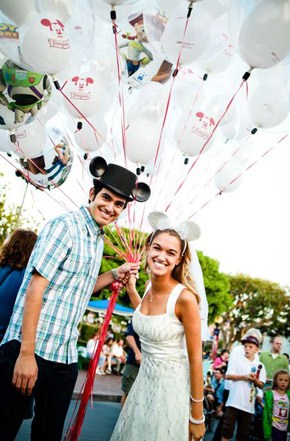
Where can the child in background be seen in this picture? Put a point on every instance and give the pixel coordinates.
(246, 374)
(276, 409)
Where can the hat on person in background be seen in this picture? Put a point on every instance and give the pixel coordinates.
(253, 332)
(250, 339)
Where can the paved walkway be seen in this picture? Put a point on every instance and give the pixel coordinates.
(106, 387)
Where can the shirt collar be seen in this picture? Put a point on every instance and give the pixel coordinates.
(92, 226)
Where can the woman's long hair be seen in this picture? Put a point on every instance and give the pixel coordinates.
(16, 250)
(181, 272)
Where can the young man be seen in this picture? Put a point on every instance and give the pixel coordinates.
(246, 374)
(38, 355)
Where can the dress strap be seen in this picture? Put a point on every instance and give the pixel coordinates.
(172, 299)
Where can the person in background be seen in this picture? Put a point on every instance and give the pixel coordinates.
(91, 347)
(221, 360)
(14, 255)
(133, 361)
(237, 352)
(273, 360)
(38, 354)
(276, 422)
(216, 391)
(246, 374)
(118, 355)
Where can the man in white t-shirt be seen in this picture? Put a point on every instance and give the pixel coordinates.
(246, 374)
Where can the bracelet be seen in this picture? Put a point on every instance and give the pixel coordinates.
(194, 421)
(196, 401)
(114, 274)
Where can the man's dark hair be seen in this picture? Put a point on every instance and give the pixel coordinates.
(98, 186)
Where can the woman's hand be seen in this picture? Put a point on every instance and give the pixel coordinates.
(196, 431)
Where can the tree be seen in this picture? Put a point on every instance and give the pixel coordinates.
(216, 285)
(10, 215)
(258, 303)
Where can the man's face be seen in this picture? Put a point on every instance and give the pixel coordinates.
(277, 345)
(218, 375)
(106, 206)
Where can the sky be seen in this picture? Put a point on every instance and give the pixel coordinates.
(246, 230)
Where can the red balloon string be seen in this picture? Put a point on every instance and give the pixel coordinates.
(240, 174)
(205, 144)
(76, 426)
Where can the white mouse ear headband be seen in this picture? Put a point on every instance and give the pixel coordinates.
(186, 230)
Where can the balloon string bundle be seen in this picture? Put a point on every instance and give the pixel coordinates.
(75, 427)
(240, 174)
(207, 141)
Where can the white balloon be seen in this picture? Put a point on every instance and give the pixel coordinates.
(63, 9)
(264, 38)
(229, 177)
(91, 137)
(86, 93)
(120, 2)
(268, 105)
(45, 44)
(17, 12)
(193, 43)
(30, 140)
(142, 138)
(192, 134)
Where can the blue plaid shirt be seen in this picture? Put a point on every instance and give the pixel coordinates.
(68, 254)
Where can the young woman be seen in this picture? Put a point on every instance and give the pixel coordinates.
(14, 255)
(166, 399)
(276, 410)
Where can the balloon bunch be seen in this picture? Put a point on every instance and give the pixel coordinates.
(149, 83)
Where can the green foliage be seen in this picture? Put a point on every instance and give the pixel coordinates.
(256, 303)
(216, 285)
(10, 215)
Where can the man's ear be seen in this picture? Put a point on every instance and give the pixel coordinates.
(91, 194)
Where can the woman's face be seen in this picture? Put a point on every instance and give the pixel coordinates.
(163, 254)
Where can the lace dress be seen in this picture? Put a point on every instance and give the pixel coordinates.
(158, 405)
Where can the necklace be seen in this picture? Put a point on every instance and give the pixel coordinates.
(153, 297)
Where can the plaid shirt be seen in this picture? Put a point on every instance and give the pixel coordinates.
(68, 254)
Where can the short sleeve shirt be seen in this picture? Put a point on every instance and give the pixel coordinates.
(242, 393)
(68, 254)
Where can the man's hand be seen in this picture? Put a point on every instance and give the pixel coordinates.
(125, 271)
(25, 373)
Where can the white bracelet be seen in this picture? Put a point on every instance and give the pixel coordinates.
(194, 421)
(114, 274)
(196, 401)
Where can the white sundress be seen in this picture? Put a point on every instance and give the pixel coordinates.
(158, 405)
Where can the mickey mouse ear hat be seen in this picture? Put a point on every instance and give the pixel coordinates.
(118, 179)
